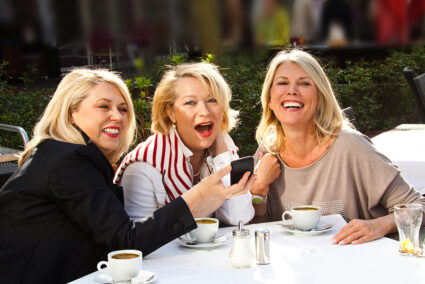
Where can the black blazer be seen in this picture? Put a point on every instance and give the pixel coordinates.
(60, 214)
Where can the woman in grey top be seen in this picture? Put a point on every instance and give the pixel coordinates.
(310, 154)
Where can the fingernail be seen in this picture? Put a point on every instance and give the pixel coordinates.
(333, 241)
(341, 243)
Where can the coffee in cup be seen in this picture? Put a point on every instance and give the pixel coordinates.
(122, 265)
(304, 217)
(206, 230)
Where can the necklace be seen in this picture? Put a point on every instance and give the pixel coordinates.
(201, 163)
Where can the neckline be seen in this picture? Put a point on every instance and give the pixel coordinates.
(315, 162)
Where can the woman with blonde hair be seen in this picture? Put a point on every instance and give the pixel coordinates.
(60, 212)
(191, 119)
(312, 155)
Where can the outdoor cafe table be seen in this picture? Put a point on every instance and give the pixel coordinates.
(405, 147)
(293, 260)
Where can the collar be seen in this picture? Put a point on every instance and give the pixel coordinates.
(186, 151)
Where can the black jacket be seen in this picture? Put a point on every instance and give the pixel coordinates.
(60, 214)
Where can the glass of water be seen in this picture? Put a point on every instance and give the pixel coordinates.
(408, 218)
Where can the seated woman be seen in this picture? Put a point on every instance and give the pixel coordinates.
(318, 158)
(60, 213)
(191, 117)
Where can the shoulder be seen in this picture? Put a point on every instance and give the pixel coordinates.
(353, 138)
(355, 144)
(58, 152)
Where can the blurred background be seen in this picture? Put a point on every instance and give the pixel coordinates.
(116, 34)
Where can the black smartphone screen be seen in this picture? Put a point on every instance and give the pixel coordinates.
(239, 167)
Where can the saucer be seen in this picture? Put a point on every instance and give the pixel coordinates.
(315, 231)
(216, 243)
(143, 276)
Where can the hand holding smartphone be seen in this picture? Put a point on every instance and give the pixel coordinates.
(239, 167)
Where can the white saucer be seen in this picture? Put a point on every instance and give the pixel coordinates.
(313, 232)
(216, 243)
(143, 274)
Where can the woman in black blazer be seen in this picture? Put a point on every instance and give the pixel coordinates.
(60, 213)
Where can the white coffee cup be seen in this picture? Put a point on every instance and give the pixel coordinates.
(206, 230)
(122, 265)
(303, 217)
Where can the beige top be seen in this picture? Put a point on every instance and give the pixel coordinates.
(352, 179)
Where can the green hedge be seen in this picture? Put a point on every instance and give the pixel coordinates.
(376, 89)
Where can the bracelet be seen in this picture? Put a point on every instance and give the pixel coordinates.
(258, 199)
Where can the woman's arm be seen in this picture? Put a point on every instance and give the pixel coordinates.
(208, 195)
(267, 170)
(360, 231)
(82, 193)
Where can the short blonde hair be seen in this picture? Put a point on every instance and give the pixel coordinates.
(328, 117)
(72, 90)
(208, 74)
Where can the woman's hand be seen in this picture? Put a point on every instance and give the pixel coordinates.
(361, 231)
(209, 194)
(267, 170)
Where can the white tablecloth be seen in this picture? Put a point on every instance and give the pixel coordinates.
(405, 147)
(294, 260)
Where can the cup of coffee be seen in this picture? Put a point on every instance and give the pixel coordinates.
(206, 230)
(304, 217)
(122, 265)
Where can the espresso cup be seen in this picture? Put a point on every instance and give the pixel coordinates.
(206, 230)
(122, 265)
(304, 217)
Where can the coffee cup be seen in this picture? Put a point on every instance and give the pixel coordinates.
(206, 230)
(122, 265)
(303, 217)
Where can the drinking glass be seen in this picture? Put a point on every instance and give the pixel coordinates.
(408, 218)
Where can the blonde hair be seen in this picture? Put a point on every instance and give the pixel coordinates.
(208, 74)
(72, 90)
(328, 117)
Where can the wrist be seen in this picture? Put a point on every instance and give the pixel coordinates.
(258, 189)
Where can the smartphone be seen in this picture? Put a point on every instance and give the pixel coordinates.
(239, 167)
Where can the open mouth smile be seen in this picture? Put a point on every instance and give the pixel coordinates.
(111, 131)
(292, 106)
(205, 129)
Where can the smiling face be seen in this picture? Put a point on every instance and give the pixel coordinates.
(102, 115)
(293, 96)
(196, 113)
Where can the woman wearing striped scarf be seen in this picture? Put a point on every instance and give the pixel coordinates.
(190, 122)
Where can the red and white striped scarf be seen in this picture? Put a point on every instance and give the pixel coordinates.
(164, 153)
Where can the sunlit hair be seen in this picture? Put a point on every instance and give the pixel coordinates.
(71, 91)
(328, 116)
(209, 76)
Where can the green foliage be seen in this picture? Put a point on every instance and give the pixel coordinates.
(245, 74)
(377, 89)
(140, 90)
(21, 107)
(209, 58)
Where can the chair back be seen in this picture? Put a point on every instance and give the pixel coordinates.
(417, 84)
(8, 165)
(349, 113)
(17, 129)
